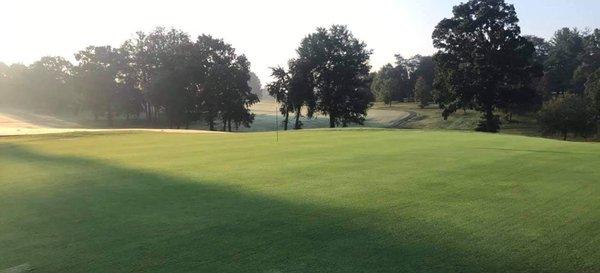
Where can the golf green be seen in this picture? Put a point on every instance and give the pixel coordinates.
(315, 201)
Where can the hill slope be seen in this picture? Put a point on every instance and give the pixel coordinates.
(316, 201)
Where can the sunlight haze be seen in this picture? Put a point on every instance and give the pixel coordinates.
(268, 32)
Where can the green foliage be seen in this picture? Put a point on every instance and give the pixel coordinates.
(589, 60)
(542, 48)
(294, 91)
(563, 59)
(95, 79)
(568, 114)
(255, 85)
(339, 73)
(422, 92)
(318, 201)
(592, 90)
(386, 83)
(159, 73)
(483, 61)
(412, 69)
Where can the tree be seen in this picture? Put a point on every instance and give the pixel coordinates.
(238, 96)
(224, 89)
(412, 69)
(95, 78)
(571, 113)
(340, 73)
(384, 84)
(47, 84)
(301, 90)
(255, 85)
(542, 48)
(14, 81)
(563, 59)
(589, 60)
(279, 89)
(541, 84)
(592, 90)
(422, 92)
(482, 59)
(4, 80)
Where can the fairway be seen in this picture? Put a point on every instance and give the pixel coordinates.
(354, 200)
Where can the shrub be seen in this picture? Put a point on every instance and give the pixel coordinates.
(568, 114)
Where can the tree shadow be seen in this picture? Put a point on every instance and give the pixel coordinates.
(87, 215)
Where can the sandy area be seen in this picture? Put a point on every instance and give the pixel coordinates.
(11, 125)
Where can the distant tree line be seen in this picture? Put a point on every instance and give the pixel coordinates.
(159, 75)
(483, 63)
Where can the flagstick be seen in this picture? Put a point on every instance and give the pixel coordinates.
(276, 126)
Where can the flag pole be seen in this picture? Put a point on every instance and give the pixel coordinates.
(276, 126)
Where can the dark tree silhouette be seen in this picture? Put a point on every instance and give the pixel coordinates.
(563, 59)
(482, 61)
(340, 74)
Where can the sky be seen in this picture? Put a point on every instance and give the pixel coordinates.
(266, 31)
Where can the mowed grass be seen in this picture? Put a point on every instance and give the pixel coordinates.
(316, 201)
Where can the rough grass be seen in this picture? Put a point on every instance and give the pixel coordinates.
(316, 201)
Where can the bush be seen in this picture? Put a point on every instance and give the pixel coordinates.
(568, 114)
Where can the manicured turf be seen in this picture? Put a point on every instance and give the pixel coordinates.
(316, 201)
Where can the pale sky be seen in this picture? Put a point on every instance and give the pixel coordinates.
(266, 31)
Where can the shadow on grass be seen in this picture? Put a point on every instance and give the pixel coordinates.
(92, 216)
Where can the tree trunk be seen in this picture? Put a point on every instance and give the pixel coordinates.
(148, 112)
(229, 125)
(297, 123)
(286, 120)
(211, 125)
(331, 121)
(109, 116)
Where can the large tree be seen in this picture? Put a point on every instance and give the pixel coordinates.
(95, 78)
(339, 64)
(483, 60)
(224, 90)
(301, 90)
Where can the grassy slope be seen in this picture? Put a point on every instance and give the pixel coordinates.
(317, 201)
(431, 118)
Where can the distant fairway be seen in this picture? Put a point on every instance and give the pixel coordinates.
(316, 201)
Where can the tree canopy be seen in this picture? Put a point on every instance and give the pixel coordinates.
(483, 61)
(162, 74)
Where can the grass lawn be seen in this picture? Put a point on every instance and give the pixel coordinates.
(316, 201)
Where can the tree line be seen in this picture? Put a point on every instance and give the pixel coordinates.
(163, 74)
(483, 62)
